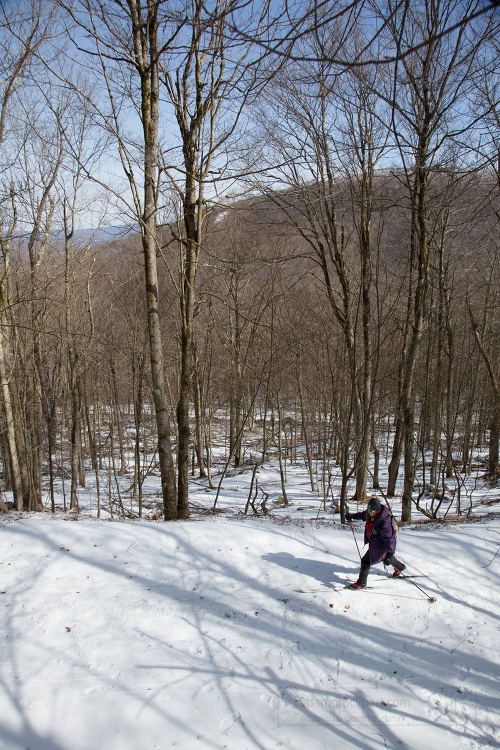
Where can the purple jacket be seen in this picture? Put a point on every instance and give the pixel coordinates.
(382, 541)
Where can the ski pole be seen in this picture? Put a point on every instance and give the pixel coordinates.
(430, 598)
(354, 535)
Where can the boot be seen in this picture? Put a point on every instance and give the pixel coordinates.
(362, 578)
(399, 568)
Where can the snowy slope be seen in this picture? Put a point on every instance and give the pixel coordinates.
(147, 636)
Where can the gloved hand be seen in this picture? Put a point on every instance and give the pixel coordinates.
(388, 559)
(348, 517)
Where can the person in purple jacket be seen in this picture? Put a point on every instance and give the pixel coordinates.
(380, 538)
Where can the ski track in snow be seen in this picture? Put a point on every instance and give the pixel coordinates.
(148, 636)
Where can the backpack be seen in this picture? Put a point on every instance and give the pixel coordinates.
(394, 523)
(395, 526)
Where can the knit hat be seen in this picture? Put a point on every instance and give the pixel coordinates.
(374, 505)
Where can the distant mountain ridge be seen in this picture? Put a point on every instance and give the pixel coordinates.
(80, 237)
(101, 234)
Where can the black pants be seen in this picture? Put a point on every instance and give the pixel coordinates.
(365, 567)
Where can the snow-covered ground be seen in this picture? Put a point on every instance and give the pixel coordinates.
(232, 632)
(137, 635)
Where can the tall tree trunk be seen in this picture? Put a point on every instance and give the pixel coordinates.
(198, 415)
(304, 424)
(119, 420)
(397, 451)
(494, 424)
(10, 427)
(145, 38)
(493, 459)
(193, 212)
(468, 436)
(280, 451)
(75, 441)
(416, 335)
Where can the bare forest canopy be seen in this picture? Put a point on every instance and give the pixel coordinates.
(295, 214)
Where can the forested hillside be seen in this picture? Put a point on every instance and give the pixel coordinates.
(225, 238)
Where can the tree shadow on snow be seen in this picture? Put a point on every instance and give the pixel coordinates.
(323, 572)
(307, 657)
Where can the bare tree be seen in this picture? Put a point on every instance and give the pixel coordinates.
(427, 87)
(488, 150)
(23, 31)
(287, 24)
(325, 133)
(146, 50)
